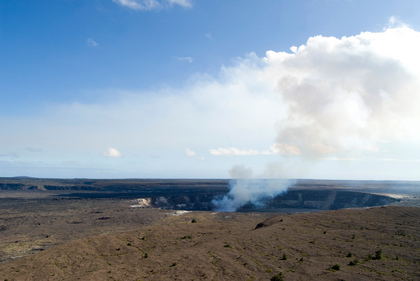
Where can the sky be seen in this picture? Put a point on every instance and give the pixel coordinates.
(323, 89)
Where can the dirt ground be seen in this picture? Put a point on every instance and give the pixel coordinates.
(31, 222)
(380, 243)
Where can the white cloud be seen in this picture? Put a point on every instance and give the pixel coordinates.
(182, 3)
(345, 94)
(112, 152)
(152, 4)
(392, 20)
(277, 148)
(91, 43)
(285, 149)
(331, 97)
(190, 153)
(139, 5)
(341, 159)
(187, 59)
(232, 151)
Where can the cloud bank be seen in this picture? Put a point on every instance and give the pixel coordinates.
(331, 98)
(351, 93)
(342, 95)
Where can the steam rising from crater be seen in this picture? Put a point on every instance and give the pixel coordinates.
(254, 191)
(344, 98)
(243, 190)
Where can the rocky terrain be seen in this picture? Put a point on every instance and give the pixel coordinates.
(140, 230)
(380, 243)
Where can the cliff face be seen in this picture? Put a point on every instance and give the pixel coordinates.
(13, 186)
(327, 200)
(293, 199)
(198, 194)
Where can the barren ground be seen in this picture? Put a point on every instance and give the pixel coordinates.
(48, 237)
(380, 243)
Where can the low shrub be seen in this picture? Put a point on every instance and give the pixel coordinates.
(335, 267)
(278, 277)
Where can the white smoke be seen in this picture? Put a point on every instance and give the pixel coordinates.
(345, 97)
(244, 189)
(254, 191)
(340, 98)
(349, 94)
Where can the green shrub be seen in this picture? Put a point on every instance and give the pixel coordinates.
(354, 262)
(335, 267)
(378, 255)
(278, 277)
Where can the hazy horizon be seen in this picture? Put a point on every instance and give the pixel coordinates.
(211, 179)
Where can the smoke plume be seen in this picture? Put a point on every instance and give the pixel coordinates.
(254, 191)
(344, 97)
(350, 94)
(244, 189)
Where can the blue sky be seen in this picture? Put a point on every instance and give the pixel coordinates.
(210, 89)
